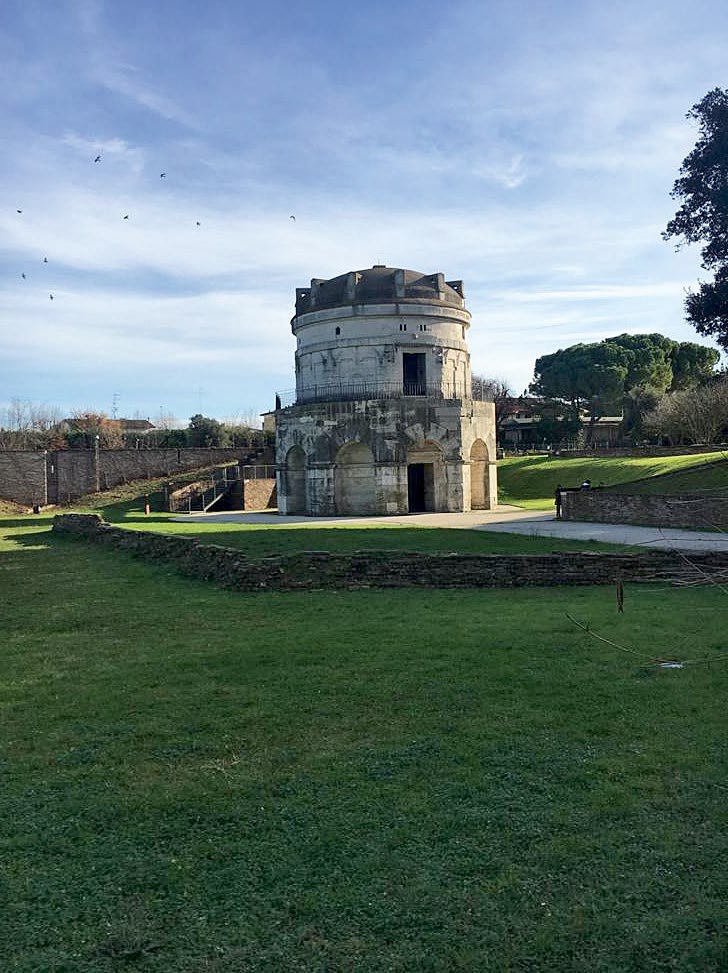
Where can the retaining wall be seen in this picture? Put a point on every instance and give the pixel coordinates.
(691, 510)
(23, 476)
(35, 476)
(259, 494)
(231, 568)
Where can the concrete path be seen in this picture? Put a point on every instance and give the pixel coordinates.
(508, 520)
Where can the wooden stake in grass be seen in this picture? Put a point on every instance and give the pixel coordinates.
(620, 593)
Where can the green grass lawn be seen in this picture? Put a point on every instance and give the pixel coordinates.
(531, 481)
(266, 541)
(125, 508)
(197, 780)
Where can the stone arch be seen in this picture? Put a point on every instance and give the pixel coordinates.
(479, 499)
(295, 481)
(354, 480)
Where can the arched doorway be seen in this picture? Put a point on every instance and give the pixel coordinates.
(479, 476)
(354, 481)
(295, 485)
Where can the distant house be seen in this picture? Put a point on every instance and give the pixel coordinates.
(519, 428)
(124, 426)
(131, 426)
(269, 422)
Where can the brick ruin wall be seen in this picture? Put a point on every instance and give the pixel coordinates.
(231, 568)
(690, 510)
(35, 477)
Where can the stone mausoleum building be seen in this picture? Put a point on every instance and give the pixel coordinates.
(382, 420)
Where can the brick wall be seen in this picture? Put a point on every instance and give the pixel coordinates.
(72, 472)
(231, 568)
(22, 476)
(691, 510)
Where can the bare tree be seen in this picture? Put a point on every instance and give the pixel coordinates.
(696, 415)
(165, 420)
(27, 425)
(496, 390)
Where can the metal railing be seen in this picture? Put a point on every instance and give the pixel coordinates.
(350, 391)
(261, 472)
(200, 496)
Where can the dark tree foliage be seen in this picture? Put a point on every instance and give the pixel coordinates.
(621, 374)
(648, 358)
(703, 216)
(207, 432)
(638, 403)
(693, 365)
(596, 375)
(589, 377)
(556, 426)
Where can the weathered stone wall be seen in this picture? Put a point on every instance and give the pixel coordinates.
(22, 476)
(383, 436)
(692, 510)
(362, 343)
(231, 568)
(259, 494)
(72, 472)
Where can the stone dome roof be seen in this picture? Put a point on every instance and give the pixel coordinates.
(379, 285)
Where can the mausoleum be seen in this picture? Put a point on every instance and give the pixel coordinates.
(382, 419)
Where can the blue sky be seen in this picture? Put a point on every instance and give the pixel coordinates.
(526, 147)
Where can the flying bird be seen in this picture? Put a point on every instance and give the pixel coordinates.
(198, 223)
(45, 260)
(23, 276)
(162, 175)
(51, 296)
(97, 159)
(126, 217)
(292, 218)
(18, 211)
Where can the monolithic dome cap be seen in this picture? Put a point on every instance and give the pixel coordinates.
(379, 285)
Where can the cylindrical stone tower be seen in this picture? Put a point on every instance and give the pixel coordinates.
(383, 420)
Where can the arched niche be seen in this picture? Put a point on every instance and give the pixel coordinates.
(354, 480)
(295, 480)
(479, 499)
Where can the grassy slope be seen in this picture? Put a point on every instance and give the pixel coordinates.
(713, 477)
(530, 481)
(201, 782)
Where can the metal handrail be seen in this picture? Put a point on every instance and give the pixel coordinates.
(350, 391)
(259, 472)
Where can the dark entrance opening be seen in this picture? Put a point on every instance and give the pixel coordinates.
(413, 374)
(420, 487)
(416, 487)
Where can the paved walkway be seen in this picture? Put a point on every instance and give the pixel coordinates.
(509, 520)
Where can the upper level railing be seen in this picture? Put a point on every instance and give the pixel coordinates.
(350, 391)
